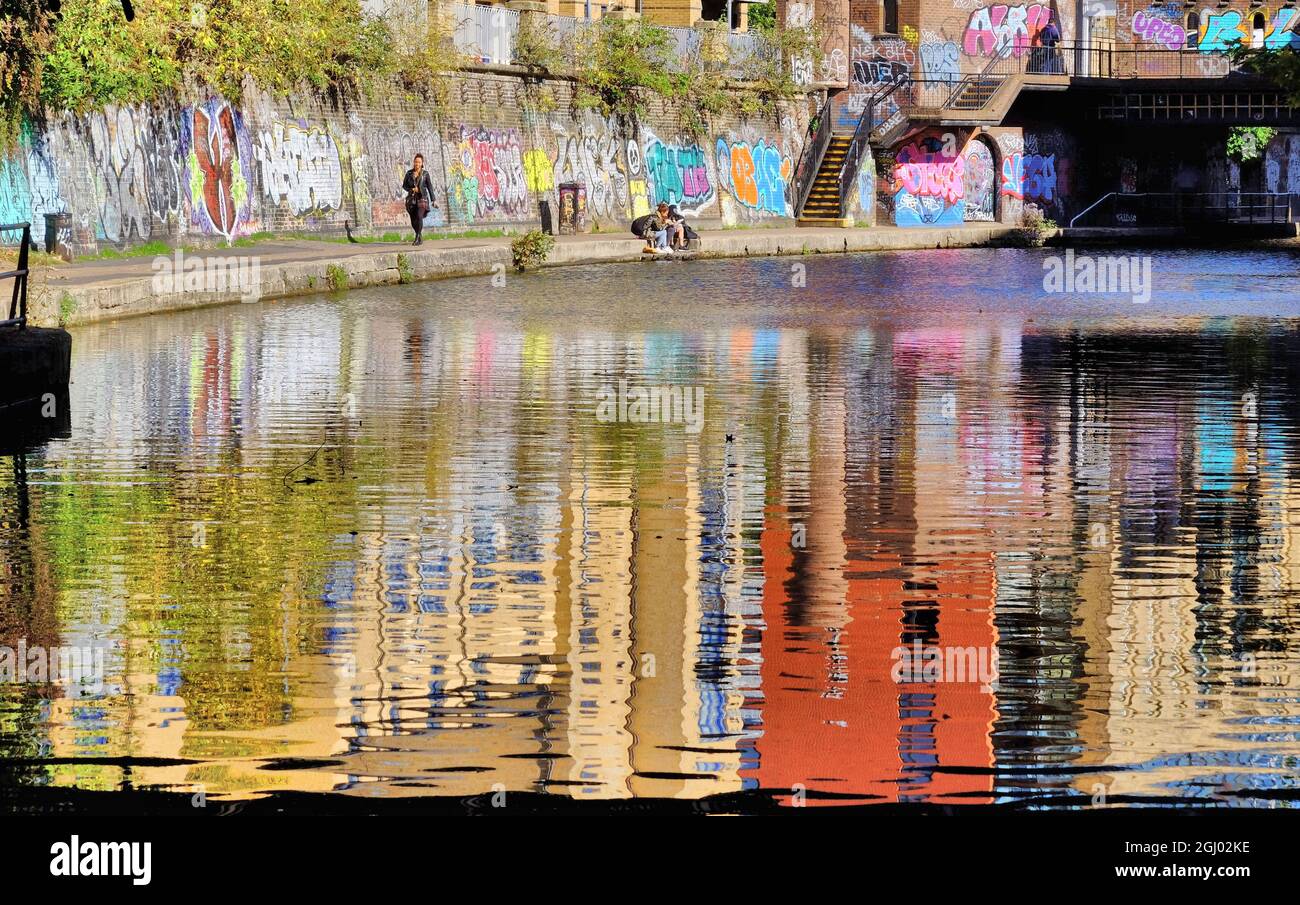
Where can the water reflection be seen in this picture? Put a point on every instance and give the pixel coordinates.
(382, 546)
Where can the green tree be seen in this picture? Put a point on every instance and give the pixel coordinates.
(762, 16)
(1280, 67)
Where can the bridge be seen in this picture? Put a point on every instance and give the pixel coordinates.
(1126, 83)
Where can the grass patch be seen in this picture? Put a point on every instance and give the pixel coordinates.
(147, 250)
(9, 258)
(337, 277)
(404, 272)
(250, 239)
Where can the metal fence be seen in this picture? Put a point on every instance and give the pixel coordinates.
(486, 34)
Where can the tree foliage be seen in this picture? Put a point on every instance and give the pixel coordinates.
(88, 56)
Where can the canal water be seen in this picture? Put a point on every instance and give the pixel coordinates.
(914, 530)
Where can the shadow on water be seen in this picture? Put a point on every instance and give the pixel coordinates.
(938, 542)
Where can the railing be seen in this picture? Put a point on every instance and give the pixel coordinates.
(18, 304)
(858, 145)
(810, 155)
(486, 34)
(1190, 208)
(1107, 60)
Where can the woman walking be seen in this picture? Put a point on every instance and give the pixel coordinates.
(419, 195)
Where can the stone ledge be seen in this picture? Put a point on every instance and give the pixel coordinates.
(127, 297)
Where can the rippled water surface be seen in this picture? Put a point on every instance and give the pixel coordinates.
(383, 545)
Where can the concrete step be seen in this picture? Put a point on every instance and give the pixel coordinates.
(840, 222)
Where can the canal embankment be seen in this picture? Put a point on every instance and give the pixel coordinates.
(95, 290)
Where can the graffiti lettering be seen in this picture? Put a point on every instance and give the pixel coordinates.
(678, 173)
(929, 187)
(1158, 31)
(1003, 30)
(757, 176)
(486, 179)
(300, 168)
(1030, 177)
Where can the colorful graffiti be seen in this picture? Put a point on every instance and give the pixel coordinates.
(485, 178)
(15, 195)
(299, 168)
(537, 172)
(1156, 29)
(637, 190)
(678, 174)
(979, 182)
(592, 156)
(929, 185)
(876, 62)
(1219, 30)
(1004, 30)
(757, 175)
(940, 61)
(137, 177)
(1030, 177)
(219, 152)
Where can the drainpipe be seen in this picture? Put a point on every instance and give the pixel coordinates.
(1078, 36)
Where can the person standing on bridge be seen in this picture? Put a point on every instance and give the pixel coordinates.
(1050, 36)
(419, 196)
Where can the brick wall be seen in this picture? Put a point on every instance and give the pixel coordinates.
(210, 169)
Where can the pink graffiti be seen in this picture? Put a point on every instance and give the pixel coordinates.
(1158, 31)
(1030, 177)
(1004, 30)
(923, 172)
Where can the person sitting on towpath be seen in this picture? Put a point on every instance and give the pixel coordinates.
(653, 225)
(419, 196)
(683, 235)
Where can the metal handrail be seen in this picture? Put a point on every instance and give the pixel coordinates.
(18, 304)
(983, 74)
(861, 138)
(810, 156)
(1204, 207)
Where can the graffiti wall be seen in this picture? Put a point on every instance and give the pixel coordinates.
(929, 184)
(1282, 164)
(220, 168)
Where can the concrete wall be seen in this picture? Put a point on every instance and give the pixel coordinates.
(207, 168)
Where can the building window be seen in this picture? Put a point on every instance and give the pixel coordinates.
(1257, 28)
(1193, 29)
(891, 17)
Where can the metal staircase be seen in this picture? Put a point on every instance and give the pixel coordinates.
(824, 206)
